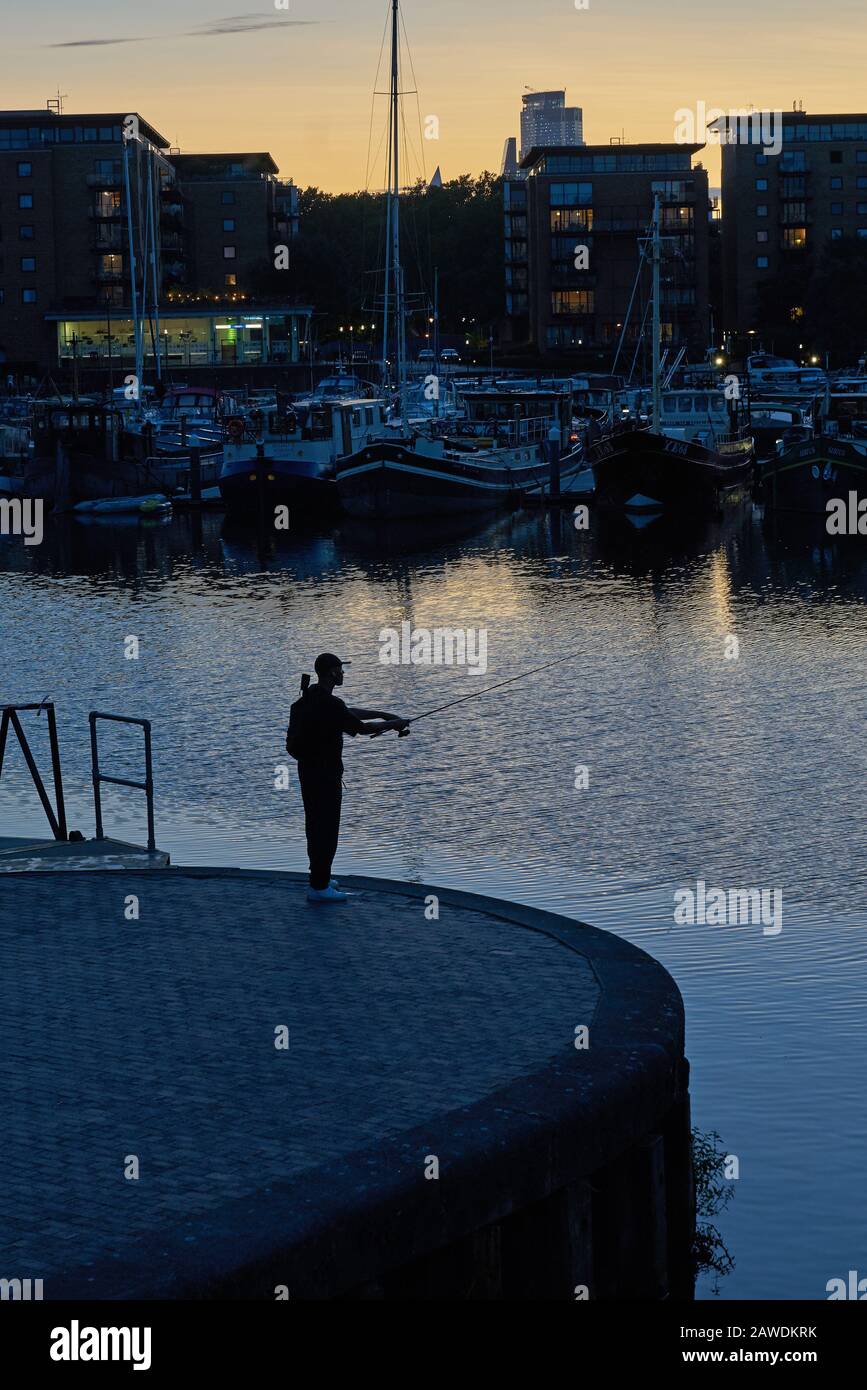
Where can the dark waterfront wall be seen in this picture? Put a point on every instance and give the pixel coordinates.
(489, 1103)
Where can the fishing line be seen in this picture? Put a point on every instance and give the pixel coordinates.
(474, 694)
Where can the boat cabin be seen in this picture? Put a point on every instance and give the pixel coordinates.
(82, 427)
(512, 416)
(318, 428)
(699, 415)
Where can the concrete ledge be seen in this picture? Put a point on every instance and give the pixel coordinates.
(348, 1222)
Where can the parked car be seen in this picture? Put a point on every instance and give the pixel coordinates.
(449, 355)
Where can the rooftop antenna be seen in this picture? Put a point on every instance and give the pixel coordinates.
(55, 103)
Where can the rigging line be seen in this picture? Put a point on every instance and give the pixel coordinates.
(373, 97)
(415, 86)
(474, 694)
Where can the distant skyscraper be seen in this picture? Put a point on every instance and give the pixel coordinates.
(509, 165)
(547, 120)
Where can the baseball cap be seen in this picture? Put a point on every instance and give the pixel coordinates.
(327, 661)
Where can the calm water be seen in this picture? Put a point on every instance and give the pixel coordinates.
(746, 773)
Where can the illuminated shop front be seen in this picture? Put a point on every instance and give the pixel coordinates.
(187, 337)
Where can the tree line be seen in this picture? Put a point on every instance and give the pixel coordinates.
(336, 262)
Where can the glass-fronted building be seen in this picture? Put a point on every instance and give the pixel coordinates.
(235, 336)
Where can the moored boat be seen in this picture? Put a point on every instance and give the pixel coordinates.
(675, 474)
(806, 477)
(288, 457)
(396, 478)
(496, 457)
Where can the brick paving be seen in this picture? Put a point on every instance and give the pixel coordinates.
(156, 1038)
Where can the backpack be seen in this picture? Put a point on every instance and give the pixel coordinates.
(295, 732)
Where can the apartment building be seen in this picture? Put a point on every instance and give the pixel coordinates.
(782, 208)
(201, 225)
(573, 227)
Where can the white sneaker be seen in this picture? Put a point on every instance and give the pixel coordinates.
(326, 895)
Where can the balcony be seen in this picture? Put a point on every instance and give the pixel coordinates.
(108, 277)
(112, 181)
(567, 278)
(105, 247)
(103, 215)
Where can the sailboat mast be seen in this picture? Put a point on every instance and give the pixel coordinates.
(132, 272)
(656, 418)
(152, 224)
(397, 270)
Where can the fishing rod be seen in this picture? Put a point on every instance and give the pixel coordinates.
(474, 694)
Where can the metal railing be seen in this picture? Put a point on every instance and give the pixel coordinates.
(57, 820)
(146, 786)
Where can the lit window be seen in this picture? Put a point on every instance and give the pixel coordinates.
(25, 200)
(228, 253)
(231, 281)
(761, 262)
(28, 263)
(25, 232)
(572, 302)
(28, 296)
(25, 171)
(761, 236)
(228, 198)
(228, 224)
(794, 238)
(761, 185)
(836, 233)
(836, 183)
(762, 210)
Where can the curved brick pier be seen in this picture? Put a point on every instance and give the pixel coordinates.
(412, 1045)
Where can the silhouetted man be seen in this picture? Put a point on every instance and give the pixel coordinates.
(317, 724)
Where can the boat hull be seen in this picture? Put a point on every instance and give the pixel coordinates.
(255, 487)
(673, 474)
(393, 480)
(806, 477)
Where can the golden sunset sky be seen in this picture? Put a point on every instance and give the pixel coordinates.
(299, 81)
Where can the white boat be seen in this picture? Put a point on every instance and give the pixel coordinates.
(152, 505)
(287, 457)
(779, 374)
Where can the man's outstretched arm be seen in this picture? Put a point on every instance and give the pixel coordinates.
(372, 714)
(381, 726)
